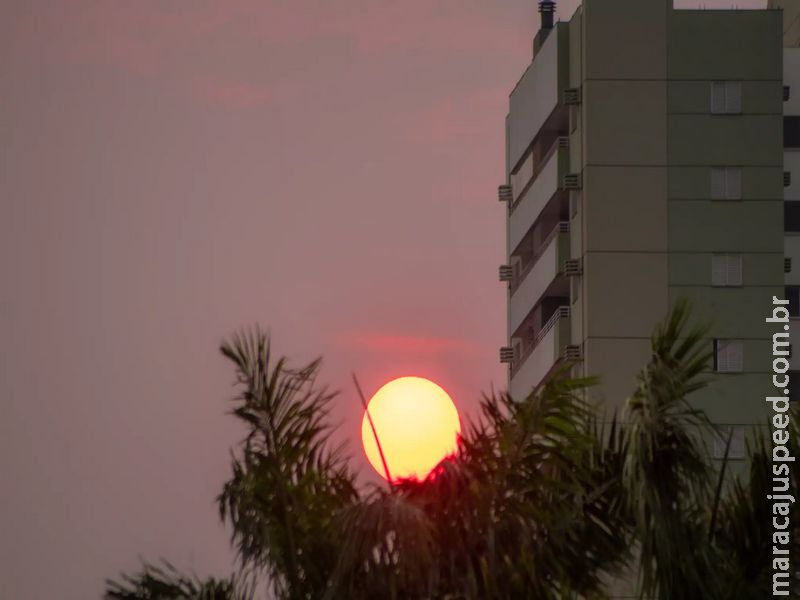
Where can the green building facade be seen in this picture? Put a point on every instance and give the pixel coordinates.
(644, 155)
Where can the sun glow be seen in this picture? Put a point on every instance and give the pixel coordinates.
(417, 424)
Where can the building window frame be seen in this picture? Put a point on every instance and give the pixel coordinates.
(726, 97)
(791, 216)
(726, 183)
(791, 132)
(728, 356)
(794, 385)
(792, 294)
(727, 270)
(736, 451)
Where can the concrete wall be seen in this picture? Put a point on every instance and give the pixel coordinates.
(534, 200)
(742, 46)
(707, 45)
(638, 26)
(536, 281)
(624, 200)
(533, 99)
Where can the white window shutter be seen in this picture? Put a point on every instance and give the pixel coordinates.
(719, 271)
(735, 351)
(717, 97)
(733, 97)
(730, 356)
(722, 355)
(717, 183)
(737, 447)
(733, 183)
(733, 275)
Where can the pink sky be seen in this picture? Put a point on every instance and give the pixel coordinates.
(171, 171)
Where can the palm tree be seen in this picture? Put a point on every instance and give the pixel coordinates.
(743, 535)
(667, 477)
(539, 501)
(166, 583)
(288, 483)
(515, 513)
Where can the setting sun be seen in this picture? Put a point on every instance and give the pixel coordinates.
(417, 424)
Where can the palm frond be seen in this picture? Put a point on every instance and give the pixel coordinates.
(387, 549)
(666, 474)
(288, 481)
(165, 582)
(744, 535)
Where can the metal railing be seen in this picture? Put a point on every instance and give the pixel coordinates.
(562, 312)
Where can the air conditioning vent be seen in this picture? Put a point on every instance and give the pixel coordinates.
(572, 96)
(787, 265)
(573, 267)
(787, 178)
(563, 142)
(505, 193)
(573, 352)
(572, 181)
(506, 272)
(506, 354)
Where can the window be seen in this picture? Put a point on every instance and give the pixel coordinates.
(787, 178)
(726, 183)
(726, 97)
(787, 264)
(791, 132)
(736, 449)
(791, 217)
(728, 356)
(793, 296)
(786, 92)
(726, 270)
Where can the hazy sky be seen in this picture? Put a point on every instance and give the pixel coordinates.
(171, 171)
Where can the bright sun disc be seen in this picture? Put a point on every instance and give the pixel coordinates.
(417, 424)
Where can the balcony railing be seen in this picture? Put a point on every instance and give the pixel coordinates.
(547, 186)
(562, 312)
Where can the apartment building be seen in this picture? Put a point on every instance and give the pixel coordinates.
(644, 162)
(791, 175)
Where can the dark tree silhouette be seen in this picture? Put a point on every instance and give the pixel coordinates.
(541, 500)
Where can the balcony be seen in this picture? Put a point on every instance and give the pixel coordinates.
(537, 157)
(536, 95)
(543, 186)
(539, 275)
(537, 361)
